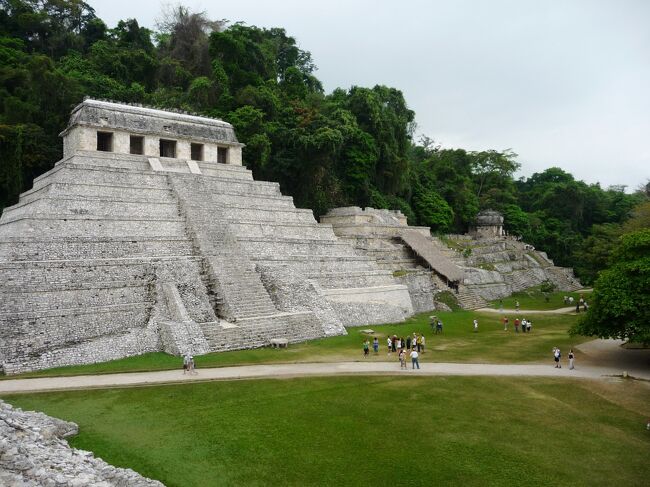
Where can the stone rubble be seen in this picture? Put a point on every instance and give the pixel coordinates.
(34, 453)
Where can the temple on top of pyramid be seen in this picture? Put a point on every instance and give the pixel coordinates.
(149, 235)
(133, 129)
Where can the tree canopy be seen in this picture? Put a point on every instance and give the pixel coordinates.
(353, 146)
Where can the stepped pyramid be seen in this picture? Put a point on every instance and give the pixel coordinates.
(149, 235)
(494, 267)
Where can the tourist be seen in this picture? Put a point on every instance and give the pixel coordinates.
(475, 325)
(585, 306)
(516, 325)
(439, 327)
(390, 345)
(516, 305)
(566, 299)
(500, 305)
(186, 363)
(402, 360)
(366, 348)
(419, 343)
(529, 326)
(192, 366)
(524, 325)
(414, 341)
(571, 358)
(408, 342)
(570, 300)
(422, 342)
(394, 343)
(414, 359)
(399, 344)
(556, 356)
(578, 303)
(433, 321)
(375, 345)
(505, 323)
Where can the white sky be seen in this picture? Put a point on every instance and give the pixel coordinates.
(561, 82)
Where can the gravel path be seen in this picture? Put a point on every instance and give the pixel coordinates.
(303, 370)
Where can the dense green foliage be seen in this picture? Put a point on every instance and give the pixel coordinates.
(621, 298)
(358, 431)
(350, 147)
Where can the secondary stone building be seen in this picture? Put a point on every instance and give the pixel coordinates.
(150, 235)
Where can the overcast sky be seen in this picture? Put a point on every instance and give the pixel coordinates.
(562, 83)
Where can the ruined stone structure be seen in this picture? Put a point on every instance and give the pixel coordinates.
(489, 224)
(476, 270)
(149, 235)
(34, 453)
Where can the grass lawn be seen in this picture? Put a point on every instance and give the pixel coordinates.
(458, 343)
(355, 431)
(533, 298)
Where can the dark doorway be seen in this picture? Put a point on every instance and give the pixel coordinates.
(222, 155)
(105, 141)
(167, 148)
(196, 152)
(137, 144)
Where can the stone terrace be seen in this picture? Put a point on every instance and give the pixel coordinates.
(113, 253)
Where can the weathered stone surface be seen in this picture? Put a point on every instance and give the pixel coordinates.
(33, 453)
(113, 254)
(494, 267)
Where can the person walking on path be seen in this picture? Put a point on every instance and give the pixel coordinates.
(375, 345)
(402, 360)
(186, 363)
(475, 325)
(192, 366)
(366, 348)
(571, 358)
(414, 359)
(556, 356)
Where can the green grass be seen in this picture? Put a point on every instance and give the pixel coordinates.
(533, 298)
(457, 344)
(354, 431)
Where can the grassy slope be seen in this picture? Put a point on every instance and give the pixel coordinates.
(457, 344)
(534, 299)
(366, 431)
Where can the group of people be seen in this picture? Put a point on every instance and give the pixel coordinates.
(557, 355)
(580, 303)
(188, 365)
(436, 325)
(526, 325)
(414, 346)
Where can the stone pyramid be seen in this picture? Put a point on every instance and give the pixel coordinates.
(149, 235)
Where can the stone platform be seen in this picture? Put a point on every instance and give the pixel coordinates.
(149, 235)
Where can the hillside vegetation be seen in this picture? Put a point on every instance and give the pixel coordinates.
(353, 146)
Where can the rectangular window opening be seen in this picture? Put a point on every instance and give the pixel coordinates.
(222, 155)
(137, 145)
(105, 141)
(167, 148)
(196, 151)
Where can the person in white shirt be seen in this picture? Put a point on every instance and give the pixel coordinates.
(414, 358)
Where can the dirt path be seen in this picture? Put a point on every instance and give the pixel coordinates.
(304, 370)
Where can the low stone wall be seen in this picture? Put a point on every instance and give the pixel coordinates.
(33, 453)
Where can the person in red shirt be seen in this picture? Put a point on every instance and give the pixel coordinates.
(516, 325)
